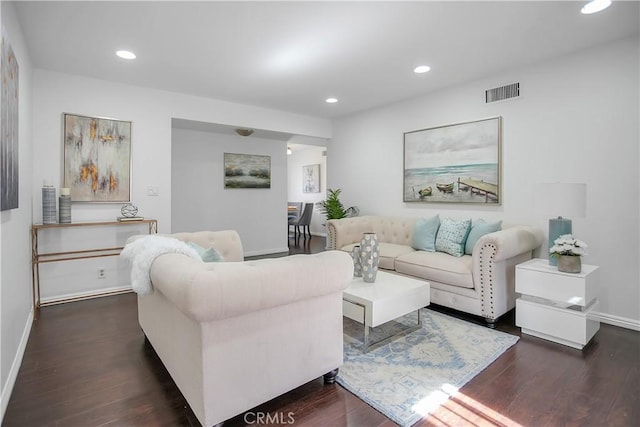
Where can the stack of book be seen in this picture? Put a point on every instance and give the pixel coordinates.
(130, 218)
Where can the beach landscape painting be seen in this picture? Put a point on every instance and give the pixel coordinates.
(247, 171)
(457, 163)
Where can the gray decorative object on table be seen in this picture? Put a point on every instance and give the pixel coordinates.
(569, 263)
(357, 262)
(49, 205)
(129, 210)
(369, 257)
(64, 206)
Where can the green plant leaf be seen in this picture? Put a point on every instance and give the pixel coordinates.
(333, 208)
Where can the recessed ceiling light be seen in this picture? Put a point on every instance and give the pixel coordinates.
(421, 69)
(331, 100)
(595, 6)
(125, 54)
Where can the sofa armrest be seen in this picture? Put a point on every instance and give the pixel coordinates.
(345, 231)
(494, 259)
(213, 291)
(511, 241)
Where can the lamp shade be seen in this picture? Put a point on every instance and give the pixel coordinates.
(561, 199)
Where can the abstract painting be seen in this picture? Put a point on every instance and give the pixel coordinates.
(97, 159)
(247, 171)
(311, 179)
(9, 148)
(458, 163)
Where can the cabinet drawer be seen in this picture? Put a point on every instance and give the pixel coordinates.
(572, 289)
(353, 311)
(566, 326)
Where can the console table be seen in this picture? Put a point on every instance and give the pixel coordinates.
(556, 306)
(38, 258)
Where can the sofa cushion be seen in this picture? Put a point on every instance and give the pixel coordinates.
(207, 255)
(437, 266)
(452, 236)
(424, 234)
(478, 229)
(388, 253)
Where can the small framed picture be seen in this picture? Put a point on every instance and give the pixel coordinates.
(311, 179)
(246, 171)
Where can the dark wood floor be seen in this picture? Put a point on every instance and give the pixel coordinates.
(86, 364)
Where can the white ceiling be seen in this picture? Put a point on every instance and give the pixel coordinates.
(292, 55)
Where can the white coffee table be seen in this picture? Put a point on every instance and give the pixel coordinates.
(390, 297)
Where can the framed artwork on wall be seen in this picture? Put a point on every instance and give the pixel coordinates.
(9, 149)
(311, 179)
(247, 171)
(97, 158)
(458, 163)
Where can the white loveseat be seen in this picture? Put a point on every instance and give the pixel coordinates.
(236, 334)
(482, 284)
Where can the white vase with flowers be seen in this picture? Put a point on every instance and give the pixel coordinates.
(569, 251)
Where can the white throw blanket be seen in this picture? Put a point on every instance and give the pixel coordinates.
(142, 252)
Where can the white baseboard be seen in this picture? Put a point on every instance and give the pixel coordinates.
(622, 322)
(7, 388)
(266, 252)
(78, 296)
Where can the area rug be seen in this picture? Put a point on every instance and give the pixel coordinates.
(411, 376)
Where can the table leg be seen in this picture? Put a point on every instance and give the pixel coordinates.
(384, 341)
(367, 329)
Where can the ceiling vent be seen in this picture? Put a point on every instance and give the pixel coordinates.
(501, 93)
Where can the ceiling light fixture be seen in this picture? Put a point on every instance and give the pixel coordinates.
(125, 54)
(421, 69)
(244, 132)
(289, 152)
(595, 6)
(331, 100)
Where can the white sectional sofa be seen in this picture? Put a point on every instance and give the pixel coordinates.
(235, 334)
(481, 283)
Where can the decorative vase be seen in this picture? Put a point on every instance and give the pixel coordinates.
(369, 257)
(357, 263)
(49, 205)
(569, 264)
(129, 210)
(64, 206)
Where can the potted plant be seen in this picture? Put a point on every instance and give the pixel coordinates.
(568, 250)
(333, 208)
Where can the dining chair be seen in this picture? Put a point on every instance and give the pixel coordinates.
(304, 221)
(294, 213)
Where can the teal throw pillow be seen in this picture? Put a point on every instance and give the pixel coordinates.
(452, 236)
(424, 234)
(207, 255)
(478, 229)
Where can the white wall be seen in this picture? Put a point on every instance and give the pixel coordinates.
(577, 120)
(15, 259)
(151, 112)
(200, 202)
(308, 155)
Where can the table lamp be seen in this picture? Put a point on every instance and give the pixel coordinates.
(565, 200)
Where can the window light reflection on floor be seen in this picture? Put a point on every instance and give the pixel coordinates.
(435, 399)
(449, 408)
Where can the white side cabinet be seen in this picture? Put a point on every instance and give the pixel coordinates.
(556, 306)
